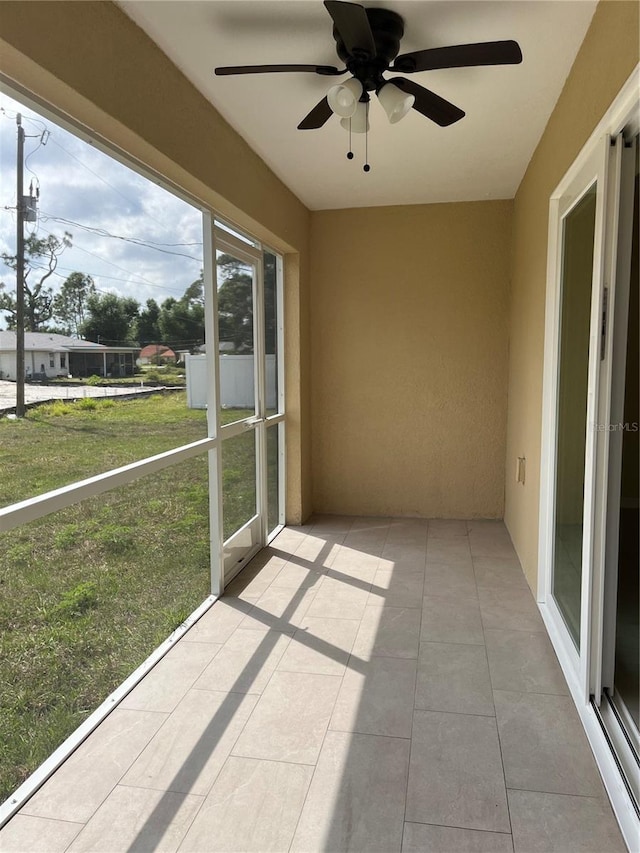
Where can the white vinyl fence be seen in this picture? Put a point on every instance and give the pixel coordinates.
(236, 381)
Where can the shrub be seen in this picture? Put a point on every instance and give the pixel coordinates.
(93, 380)
(87, 404)
(55, 409)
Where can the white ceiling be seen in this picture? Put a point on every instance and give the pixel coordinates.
(483, 156)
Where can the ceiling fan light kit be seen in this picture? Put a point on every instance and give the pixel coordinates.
(343, 98)
(395, 102)
(359, 121)
(368, 42)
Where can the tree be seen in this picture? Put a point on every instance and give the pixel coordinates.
(148, 323)
(181, 321)
(38, 299)
(235, 304)
(110, 319)
(70, 303)
(194, 294)
(270, 302)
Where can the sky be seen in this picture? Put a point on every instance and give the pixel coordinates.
(99, 201)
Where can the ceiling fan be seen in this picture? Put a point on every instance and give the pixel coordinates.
(368, 41)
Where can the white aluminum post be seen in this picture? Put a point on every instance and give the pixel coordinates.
(259, 339)
(213, 408)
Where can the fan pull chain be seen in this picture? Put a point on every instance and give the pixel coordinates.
(350, 152)
(366, 166)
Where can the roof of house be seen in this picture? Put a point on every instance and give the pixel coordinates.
(155, 350)
(52, 342)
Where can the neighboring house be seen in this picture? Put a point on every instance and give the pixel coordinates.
(48, 355)
(156, 354)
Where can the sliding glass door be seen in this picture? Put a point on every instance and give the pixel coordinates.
(589, 510)
(619, 687)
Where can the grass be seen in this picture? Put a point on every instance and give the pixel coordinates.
(60, 442)
(87, 593)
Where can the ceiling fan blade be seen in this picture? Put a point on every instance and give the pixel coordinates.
(325, 70)
(460, 56)
(320, 114)
(429, 104)
(353, 26)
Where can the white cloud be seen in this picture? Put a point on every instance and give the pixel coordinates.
(80, 184)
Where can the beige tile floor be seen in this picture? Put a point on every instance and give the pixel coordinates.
(364, 685)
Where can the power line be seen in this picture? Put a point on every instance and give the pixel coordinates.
(12, 115)
(52, 136)
(96, 174)
(119, 237)
(158, 246)
(179, 316)
(163, 225)
(185, 317)
(165, 343)
(110, 263)
(132, 278)
(100, 275)
(44, 138)
(102, 232)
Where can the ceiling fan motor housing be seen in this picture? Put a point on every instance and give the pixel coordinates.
(387, 28)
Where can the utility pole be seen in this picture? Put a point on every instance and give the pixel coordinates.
(20, 409)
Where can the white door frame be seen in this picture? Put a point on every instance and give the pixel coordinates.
(592, 170)
(244, 543)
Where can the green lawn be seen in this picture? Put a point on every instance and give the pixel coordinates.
(61, 442)
(87, 593)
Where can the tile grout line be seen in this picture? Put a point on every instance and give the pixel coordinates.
(368, 734)
(456, 713)
(602, 799)
(55, 820)
(410, 739)
(504, 775)
(464, 828)
(415, 689)
(115, 785)
(315, 767)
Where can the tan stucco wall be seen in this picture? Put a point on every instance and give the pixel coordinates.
(409, 359)
(92, 62)
(605, 60)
